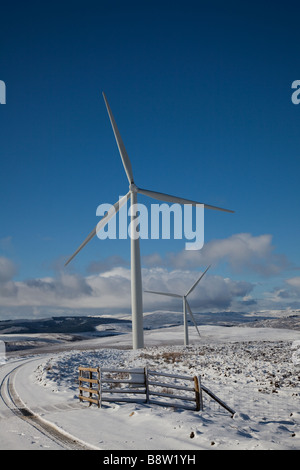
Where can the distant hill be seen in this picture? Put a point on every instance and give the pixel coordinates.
(68, 324)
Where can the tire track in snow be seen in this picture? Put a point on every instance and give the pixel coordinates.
(15, 405)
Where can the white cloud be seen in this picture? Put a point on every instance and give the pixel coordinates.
(294, 282)
(7, 269)
(110, 290)
(212, 293)
(286, 295)
(242, 252)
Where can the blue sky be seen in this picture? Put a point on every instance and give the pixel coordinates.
(201, 92)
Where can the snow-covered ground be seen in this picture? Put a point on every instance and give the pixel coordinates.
(256, 371)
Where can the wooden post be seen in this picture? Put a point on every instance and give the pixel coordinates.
(90, 394)
(98, 376)
(200, 393)
(100, 387)
(197, 393)
(146, 384)
(80, 390)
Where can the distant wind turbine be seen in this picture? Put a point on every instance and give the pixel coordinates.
(186, 306)
(136, 276)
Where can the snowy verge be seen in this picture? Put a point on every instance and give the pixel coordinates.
(255, 375)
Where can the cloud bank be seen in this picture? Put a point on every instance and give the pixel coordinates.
(106, 287)
(242, 252)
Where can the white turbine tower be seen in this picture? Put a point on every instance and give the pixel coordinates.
(186, 306)
(136, 277)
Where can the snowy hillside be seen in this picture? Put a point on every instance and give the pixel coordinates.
(256, 371)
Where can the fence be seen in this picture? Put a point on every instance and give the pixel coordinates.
(162, 385)
(121, 385)
(143, 386)
(90, 390)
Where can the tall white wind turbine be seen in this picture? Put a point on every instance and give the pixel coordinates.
(136, 277)
(186, 306)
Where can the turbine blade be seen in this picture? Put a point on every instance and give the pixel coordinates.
(121, 146)
(88, 238)
(105, 219)
(178, 200)
(198, 280)
(192, 317)
(163, 293)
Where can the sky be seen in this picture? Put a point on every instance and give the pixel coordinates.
(202, 96)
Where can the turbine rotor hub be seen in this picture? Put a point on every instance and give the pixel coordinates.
(133, 188)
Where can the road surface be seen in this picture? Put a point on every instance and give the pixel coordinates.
(20, 428)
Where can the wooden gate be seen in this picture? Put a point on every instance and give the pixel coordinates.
(143, 386)
(174, 390)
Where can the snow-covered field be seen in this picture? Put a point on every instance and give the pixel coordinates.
(256, 371)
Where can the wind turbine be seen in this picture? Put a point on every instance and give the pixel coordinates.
(186, 306)
(136, 277)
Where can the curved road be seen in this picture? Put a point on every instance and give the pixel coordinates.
(21, 428)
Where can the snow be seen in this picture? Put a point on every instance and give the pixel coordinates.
(256, 371)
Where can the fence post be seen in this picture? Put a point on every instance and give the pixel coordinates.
(100, 386)
(198, 393)
(146, 384)
(90, 394)
(80, 391)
